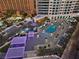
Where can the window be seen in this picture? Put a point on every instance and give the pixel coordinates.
(57, 2)
(48, 45)
(50, 5)
(67, 12)
(70, 12)
(54, 2)
(68, 9)
(53, 8)
(43, 2)
(64, 12)
(49, 13)
(50, 10)
(67, 1)
(40, 47)
(74, 1)
(52, 13)
(56, 8)
(42, 13)
(42, 5)
(60, 13)
(69, 4)
(70, 1)
(60, 10)
(45, 47)
(55, 13)
(62, 5)
(57, 5)
(53, 5)
(43, 10)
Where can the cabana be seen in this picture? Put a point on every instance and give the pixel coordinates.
(18, 41)
(30, 41)
(15, 53)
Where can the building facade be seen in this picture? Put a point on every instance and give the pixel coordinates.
(54, 8)
(76, 9)
(19, 5)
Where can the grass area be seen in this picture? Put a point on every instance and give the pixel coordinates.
(4, 48)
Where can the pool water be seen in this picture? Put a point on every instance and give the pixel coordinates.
(51, 28)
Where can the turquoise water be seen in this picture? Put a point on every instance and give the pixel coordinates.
(51, 28)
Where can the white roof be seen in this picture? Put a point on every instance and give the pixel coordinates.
(28, 19)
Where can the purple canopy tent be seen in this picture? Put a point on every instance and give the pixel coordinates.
(15, 53)
(30, 41)
(31, 34)
(18, 41)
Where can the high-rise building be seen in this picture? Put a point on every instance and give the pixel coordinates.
(42, 7)
(76, 9)
(19, 5)
(55, 8)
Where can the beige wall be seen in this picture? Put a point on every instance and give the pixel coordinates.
(25, 5)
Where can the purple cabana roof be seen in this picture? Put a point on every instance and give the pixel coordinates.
(30, 41)
(15, 53)
(31, 34)
(19, 40)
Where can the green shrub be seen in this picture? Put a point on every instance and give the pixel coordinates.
(5, 48)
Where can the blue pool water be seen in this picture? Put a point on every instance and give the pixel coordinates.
(51, 28)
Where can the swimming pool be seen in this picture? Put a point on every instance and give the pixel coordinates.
(51, 28)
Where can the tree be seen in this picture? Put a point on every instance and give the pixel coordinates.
(58, 51)
(5, 48)
(8, 24)
(24, 14)
(41, 51)
(9, 13)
